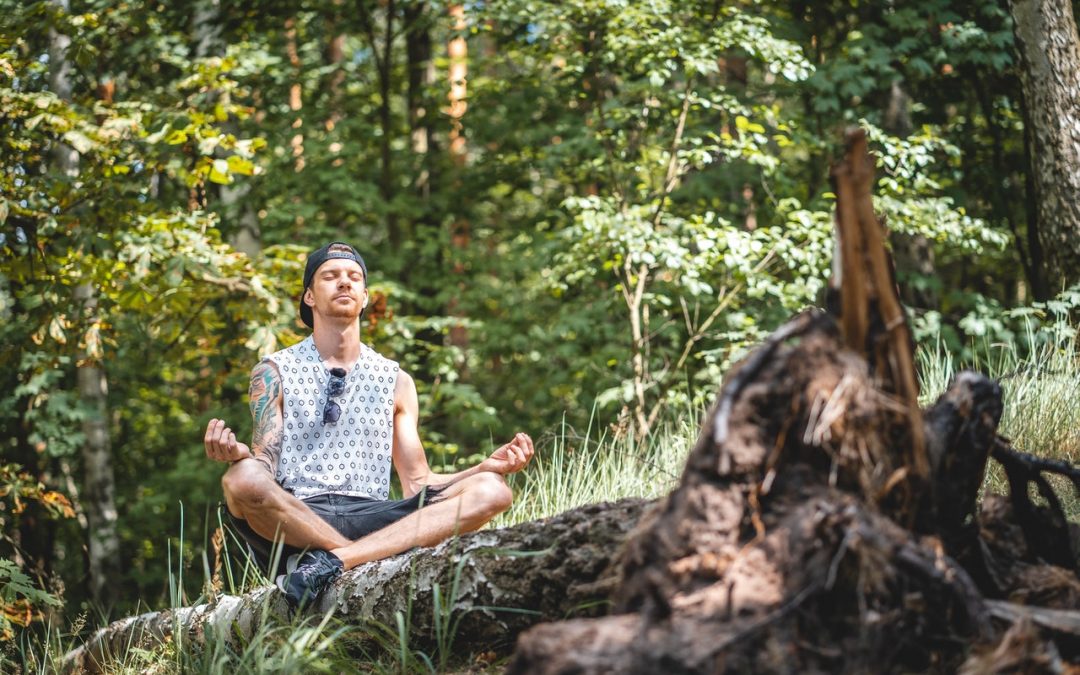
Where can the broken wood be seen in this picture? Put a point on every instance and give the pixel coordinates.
(825, 523)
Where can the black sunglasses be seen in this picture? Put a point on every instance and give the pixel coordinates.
(332, 412)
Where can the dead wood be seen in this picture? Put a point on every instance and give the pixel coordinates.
(492, 584)
(1048, 536)
(825, 523)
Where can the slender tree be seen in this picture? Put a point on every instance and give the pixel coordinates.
(99, 485)
(458, 52)
(296, 99)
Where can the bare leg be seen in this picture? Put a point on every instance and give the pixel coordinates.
(463, 507)
(252, 493)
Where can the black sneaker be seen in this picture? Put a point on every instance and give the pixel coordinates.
(315, 570)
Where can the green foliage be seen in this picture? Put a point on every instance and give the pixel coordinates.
(909, 193)
(643, 194)
(22, 599)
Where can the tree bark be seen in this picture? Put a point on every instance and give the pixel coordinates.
(417, 24)
(99, 488)
(495, 582)
(418, 50)
(206, 29)
(782, 550)
(98, 482)
(296, 94)
(1049, 50)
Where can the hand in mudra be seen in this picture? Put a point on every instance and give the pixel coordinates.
(221, 444)
(512, 457)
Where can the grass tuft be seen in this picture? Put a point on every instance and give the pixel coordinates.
(1041, 409)
(575, 469)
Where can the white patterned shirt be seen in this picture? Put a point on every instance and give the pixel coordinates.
(351, 456)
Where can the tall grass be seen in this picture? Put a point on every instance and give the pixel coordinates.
(573, 469)
(1040, 390)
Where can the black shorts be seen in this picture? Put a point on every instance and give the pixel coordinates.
(353, 517)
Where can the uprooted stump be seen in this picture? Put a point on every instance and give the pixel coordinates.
(824, 522)
(782, 548)
(492, 584)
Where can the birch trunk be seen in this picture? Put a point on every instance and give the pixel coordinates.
(460, 231)
(494, 583)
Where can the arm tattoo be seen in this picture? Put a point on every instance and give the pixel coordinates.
(264, 395)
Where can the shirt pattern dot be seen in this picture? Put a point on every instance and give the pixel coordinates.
(351, 456)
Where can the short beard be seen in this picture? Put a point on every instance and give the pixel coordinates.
(343, 313)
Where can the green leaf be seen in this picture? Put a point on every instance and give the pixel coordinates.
(244, 167)
(176, 137)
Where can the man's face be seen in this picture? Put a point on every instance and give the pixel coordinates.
(338, 290)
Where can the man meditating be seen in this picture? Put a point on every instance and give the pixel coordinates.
(329, 416)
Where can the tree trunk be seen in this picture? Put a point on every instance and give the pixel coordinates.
(386, 123)
(421, 77)
(335, 57)
(495, 582)
(296, 95)
(460, 234)
(206, 29)
(99, 489)
(912, 252)
(1049, 50)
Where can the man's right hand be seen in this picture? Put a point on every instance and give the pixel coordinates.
(221, 444)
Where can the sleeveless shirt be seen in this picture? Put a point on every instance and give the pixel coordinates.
(351, 456)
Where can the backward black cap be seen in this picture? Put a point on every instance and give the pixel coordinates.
(315, 261)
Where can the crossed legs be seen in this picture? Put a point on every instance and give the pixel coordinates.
(466, 505)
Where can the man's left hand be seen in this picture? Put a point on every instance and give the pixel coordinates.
(510, 458)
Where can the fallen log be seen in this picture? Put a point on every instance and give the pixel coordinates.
(494, 583)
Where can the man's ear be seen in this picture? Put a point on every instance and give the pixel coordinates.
(309, 298)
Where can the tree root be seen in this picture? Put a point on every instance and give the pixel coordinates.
(825, 523)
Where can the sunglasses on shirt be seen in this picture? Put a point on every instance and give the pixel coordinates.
(332, 412)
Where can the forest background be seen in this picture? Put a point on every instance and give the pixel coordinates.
(576, 215)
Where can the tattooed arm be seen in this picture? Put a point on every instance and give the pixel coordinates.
(264, 393)
(267, 424)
